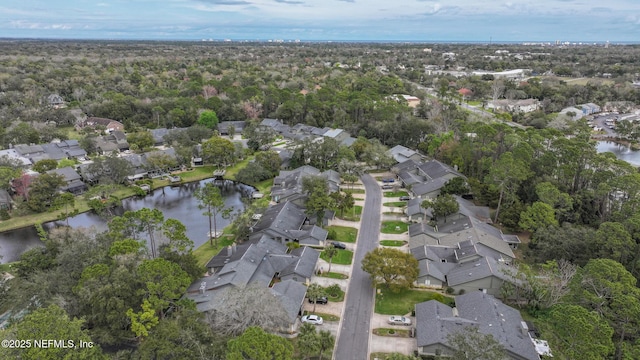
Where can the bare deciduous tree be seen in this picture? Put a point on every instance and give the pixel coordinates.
(253, 305)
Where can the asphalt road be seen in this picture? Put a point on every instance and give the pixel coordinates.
(353, 337)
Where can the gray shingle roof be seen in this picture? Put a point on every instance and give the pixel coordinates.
(435, 169)
(291, 295)
(305, 263)
(435, 321)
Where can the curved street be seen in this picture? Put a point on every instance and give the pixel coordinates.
(354, 335)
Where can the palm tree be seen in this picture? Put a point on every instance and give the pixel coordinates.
(330, 251)
(314, 292)
(326, 340)
(308, 340)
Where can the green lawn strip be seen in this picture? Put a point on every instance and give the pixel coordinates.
(380, 356)
(343, 233)
(231, 171)
(392, 242)
(352, 214)
(403, 302)
(325, 317)
(339, 296)
(17, 222)
(395, 193)
(394, 227)
(334, 275)
(206, 251)
(392, 332)
(343, 257)
(395, 204)
(353, 191)
(6, 267)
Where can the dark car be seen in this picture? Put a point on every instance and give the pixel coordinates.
(321, 300)
(388, 180)
(405, 198)
(338, 245)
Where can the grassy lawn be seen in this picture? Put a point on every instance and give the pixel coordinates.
(17, 222)
(352, 214)
(206, 251)
(334, 275)
(343, 233)
(337, 297)
(395, 204)
(6, 267)
(395, 193)
(403, 302)
(264, 186)
(392, 242)
(392, 332)
(394, 227)
(233, 170)
(354, 191)
(380, 355)
(343, 257)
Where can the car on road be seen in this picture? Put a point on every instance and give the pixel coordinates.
(312, 319)
(338, 245)
(399, 320)
(405, 198)
(321, 300)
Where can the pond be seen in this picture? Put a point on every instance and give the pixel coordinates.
(177, 202)
(622, 152)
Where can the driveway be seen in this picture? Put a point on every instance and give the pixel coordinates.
(354, 334)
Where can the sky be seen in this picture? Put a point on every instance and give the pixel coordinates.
(337, 20)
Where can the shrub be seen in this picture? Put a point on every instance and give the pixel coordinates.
(461, 292)
(449, 291)
(332, 234)
(4, 214)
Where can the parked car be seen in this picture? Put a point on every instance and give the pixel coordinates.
(338, 245)
(405, 198)
(387, 187)
(312, 319)
(399, 320)
(321, 300)
(388, 180)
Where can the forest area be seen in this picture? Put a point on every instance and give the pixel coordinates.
(578, 274)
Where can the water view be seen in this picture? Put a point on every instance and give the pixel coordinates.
(177, 202)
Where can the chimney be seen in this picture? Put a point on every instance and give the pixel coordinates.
(524, 328)
(234, 247)
(455, 312)
(203, 286)
(229, 250)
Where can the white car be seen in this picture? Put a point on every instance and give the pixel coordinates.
(312, 319)
(399, 320)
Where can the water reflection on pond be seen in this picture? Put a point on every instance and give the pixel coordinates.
(177, 202)
(622, 152)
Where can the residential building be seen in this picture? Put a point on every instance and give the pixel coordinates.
(16, 157)
(287, 222)
(514, 106)
(55, 101)
(262, 261)
(436, 322)
(238, 127)
(401, 154)
(94, 122)
(73, 181)
(459, 228)
(287, 186)
(6, 203)
(467, 266)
